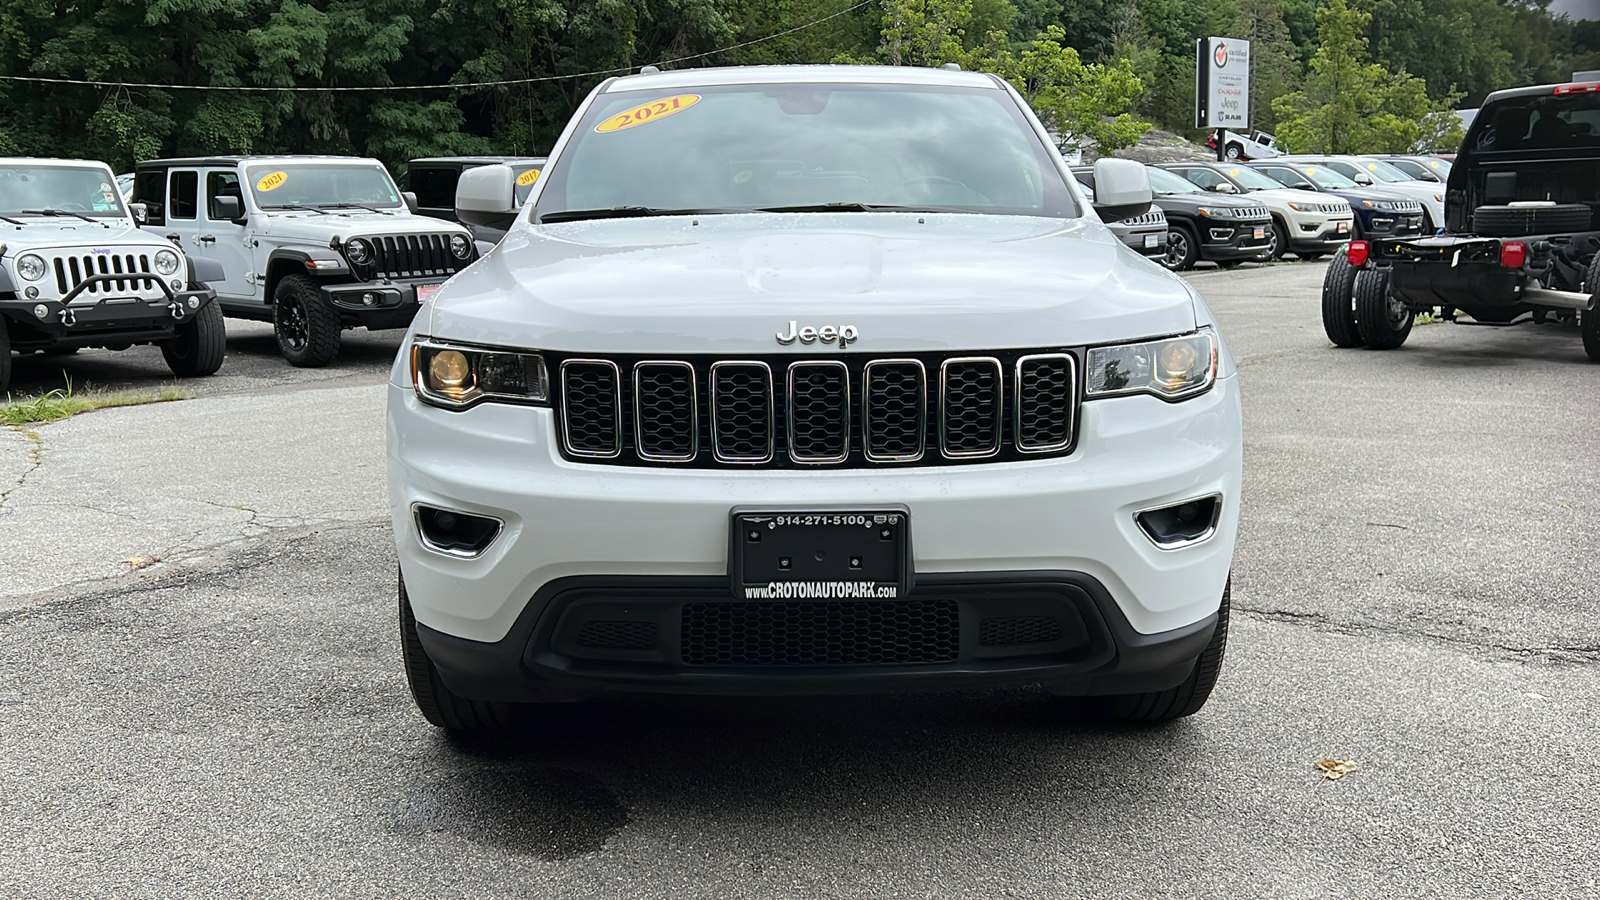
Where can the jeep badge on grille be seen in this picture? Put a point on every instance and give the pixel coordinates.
(844, 334)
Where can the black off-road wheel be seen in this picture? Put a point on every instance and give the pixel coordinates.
(1183, 248)
(1152, 707)
(1383, 319)
(5, 356)
(1589, 319)
(442, 707)
(307, 328)
(200, 344)
(1338, 308)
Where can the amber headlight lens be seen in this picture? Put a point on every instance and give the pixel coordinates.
(456, 377)
(1172, 369)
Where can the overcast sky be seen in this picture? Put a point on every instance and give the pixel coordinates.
(1578, 9)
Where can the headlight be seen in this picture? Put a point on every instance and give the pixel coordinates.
(359, 252)
(455, 376)
(1172, 369)
(30, 267)
(1216, 213)
(166, 262)
(460, 246)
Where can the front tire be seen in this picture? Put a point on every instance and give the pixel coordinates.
(200, 344)
(1589, 319)
(5, 356)
(1186, 699)
(442, 707)
(1338, 311)
(307, 328)
(1278, 241)
(1182, 248)
(1383, 320)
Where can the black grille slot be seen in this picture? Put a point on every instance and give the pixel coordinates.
(413, 256)
(1045, 398)
(666, 415)
(837, 633)
(72, 270)
(592, 408)
(1011, 630)
(970, 413)
(894, 412)
(618, 635)
(819, 412)
(741, 411)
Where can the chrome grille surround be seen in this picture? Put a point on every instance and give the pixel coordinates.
(790, 411)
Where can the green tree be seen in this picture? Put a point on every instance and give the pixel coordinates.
(1093, 101)
(1348, 104)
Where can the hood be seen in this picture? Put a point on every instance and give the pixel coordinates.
(730, 284)
(63, 232)
(1206, 198)
(1287, 195)
(1366, 193)
(320, 229)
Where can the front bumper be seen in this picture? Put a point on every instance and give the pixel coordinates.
(1220, 240)
(1322, 235)
(70, 320)
(564, 519)
(380, 305)
(1381, 223)
(1150, 242)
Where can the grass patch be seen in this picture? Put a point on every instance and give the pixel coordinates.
(61, 404)
(1426, 318)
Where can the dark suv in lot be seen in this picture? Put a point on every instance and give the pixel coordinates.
(1519, 241)
(1204, 226)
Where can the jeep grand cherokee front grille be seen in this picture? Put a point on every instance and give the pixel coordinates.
(847, 411)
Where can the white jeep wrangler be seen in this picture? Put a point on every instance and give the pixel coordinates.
(76, 271)
(811, 380)
(312, 244)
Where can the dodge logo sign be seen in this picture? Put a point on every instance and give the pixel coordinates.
(844, 334)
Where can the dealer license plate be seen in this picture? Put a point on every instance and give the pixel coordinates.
(1152, 240)
(820, 555)
(426, 292)
(1261, 234)
(1344, 227)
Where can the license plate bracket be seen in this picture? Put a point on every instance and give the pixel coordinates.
(425, 292)
(810, 554)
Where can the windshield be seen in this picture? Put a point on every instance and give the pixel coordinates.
(1324, 177)
(1431, 170)
(287, 184)
(733, 148)
(1251, 180)
(1163, 182)
(1382, 171)
(1549, 122)
(82, 190)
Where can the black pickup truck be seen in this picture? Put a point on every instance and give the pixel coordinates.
(1520, 237)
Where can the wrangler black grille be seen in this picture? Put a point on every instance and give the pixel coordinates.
(414, 256)
(919, 409)
(70, 272)
(804, 633)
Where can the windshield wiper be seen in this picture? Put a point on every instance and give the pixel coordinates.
(351, 206)
(853, 206)
(12, 221)
(625, 212)
(320, 212)
(59, 212)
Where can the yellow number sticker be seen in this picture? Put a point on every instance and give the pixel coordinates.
(272, 181)
(648, 112)
(528, 177)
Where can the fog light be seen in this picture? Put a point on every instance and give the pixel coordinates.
(455, 533)
(41, 311)
(368, 299)
(194, 302)
(1181, 524)
(31, 292)
(177, 284)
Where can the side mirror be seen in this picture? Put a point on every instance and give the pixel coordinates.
(141, 213)
(1302, 186)
(1121, 189)
(411, 201)
(487, 195)
(229, 209)
(1223, 187)
(1361, 178)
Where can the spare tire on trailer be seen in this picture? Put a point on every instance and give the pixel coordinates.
(1516, 221)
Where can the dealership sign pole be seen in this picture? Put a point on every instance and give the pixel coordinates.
(1222, 86)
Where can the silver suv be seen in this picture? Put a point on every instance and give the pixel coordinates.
(75, 271)
(312, 244)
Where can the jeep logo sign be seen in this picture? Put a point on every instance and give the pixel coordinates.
(827, 334)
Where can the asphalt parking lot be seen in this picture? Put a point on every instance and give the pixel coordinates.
(200, 692)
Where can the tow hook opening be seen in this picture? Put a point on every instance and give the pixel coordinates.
(1181, 524)
(455, 533)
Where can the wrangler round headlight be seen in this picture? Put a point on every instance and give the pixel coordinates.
(358, 251)
(30, 267)
(166, 262)
(460, 246)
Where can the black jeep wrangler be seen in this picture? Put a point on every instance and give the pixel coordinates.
(1520, 237)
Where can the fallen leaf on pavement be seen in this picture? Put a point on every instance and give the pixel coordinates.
(142, 562)
(1335, 769)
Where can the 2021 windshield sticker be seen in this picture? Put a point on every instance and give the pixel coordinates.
(272, 181)
(528, 177)
(648, 112)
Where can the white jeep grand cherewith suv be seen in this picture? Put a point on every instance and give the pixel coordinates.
(811, 380)
(76, 271)
(312, 244)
